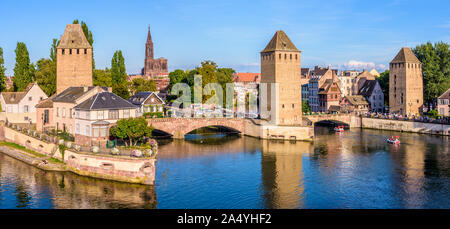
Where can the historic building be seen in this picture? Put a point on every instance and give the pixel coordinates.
(360, 80)
(443, 104)
(19, 107)
(405, 83)
(148, 102)
(156, 69)
(371, 90)
(329, 96)
(354, 103)
(320, 80)
(281, 64)
(74, 54)
(348, 78)
(96, 114)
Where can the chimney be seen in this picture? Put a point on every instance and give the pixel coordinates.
(85, 88)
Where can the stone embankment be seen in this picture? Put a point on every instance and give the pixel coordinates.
(45, 155)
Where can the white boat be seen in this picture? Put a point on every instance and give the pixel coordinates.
(393, 140)
(339, 129)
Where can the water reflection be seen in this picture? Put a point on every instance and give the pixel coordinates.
(355, 169)
(23, 186)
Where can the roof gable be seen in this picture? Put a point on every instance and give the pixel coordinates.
(74, 37)
(280, 42)
(103, 101)
(405, 55)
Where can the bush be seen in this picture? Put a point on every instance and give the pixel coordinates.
(153, 115)
(66, 136)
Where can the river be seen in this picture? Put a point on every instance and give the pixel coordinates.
(356, 169)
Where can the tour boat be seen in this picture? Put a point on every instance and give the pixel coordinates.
(394, 140)
(339, 129)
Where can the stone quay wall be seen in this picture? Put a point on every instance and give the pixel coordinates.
(118, 168)
(406, 126)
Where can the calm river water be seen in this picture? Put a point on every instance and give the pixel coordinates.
(356, 169)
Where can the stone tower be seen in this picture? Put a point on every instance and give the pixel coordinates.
(405, 83)
(74, 55)
(153, 67)
(281, 64)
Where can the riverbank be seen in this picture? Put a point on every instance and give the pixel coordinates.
(46, 155)
(32, 158)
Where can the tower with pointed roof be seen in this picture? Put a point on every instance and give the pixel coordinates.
(153, 67)
(74, 55)
(281, 64)
(405, 83)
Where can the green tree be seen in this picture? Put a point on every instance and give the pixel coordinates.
(53, 50)
(23, 69)
(2, 71)
(46, 76)
(132, 130)
(305, 107)
(140, 84)
(436, 68)
(118, 71)
(102, 78)
(384, 84)
(122, 90)
(175, 77)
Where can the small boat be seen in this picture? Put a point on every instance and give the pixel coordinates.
(339, 129)
(394, 140)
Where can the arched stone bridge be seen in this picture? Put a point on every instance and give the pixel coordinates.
(178, 127)
(350, 119)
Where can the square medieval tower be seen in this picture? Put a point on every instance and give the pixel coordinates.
(74, 59)
(281, 64)
(405, 83)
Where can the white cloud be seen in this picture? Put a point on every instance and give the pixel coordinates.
(358, 65)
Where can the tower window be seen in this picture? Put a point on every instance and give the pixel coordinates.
(85, 51)
(280, 56)
(290, 56)
(296, 56)
(63, 51)
(78, 51)
(285, 56)
(70, 51)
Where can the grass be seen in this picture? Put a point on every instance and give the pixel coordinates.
(19, 147)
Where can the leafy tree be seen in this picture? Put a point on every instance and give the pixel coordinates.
(23, 69)
(118, 71)
(140, 84)
(305, 107)
(122, 90)
(53, 50)
(384, 84)
(132, 130)
(175, 77)
(436, 68)
(2, 71)
(102, 78)
(46, 75)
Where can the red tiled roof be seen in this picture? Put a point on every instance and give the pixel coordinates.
(247, 77)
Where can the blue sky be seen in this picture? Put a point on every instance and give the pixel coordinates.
(344, 34)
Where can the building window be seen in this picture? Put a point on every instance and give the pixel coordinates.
(63, 51)
(70, 51)
(64, 112)
(293, 105)
(30, 98)
(88, 132)
(78, 51)
(114, 114)
(46, 116)
(99, 114)
(296, 56)
(279, 55)
(88, 115)
(285, 56)
(77, 128)
(85, 51)
(25, 108)
(57, 112)
(126, 113)
(290, 56)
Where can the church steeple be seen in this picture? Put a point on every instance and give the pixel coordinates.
(149, 47)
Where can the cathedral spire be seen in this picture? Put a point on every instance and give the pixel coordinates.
(149, 36)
